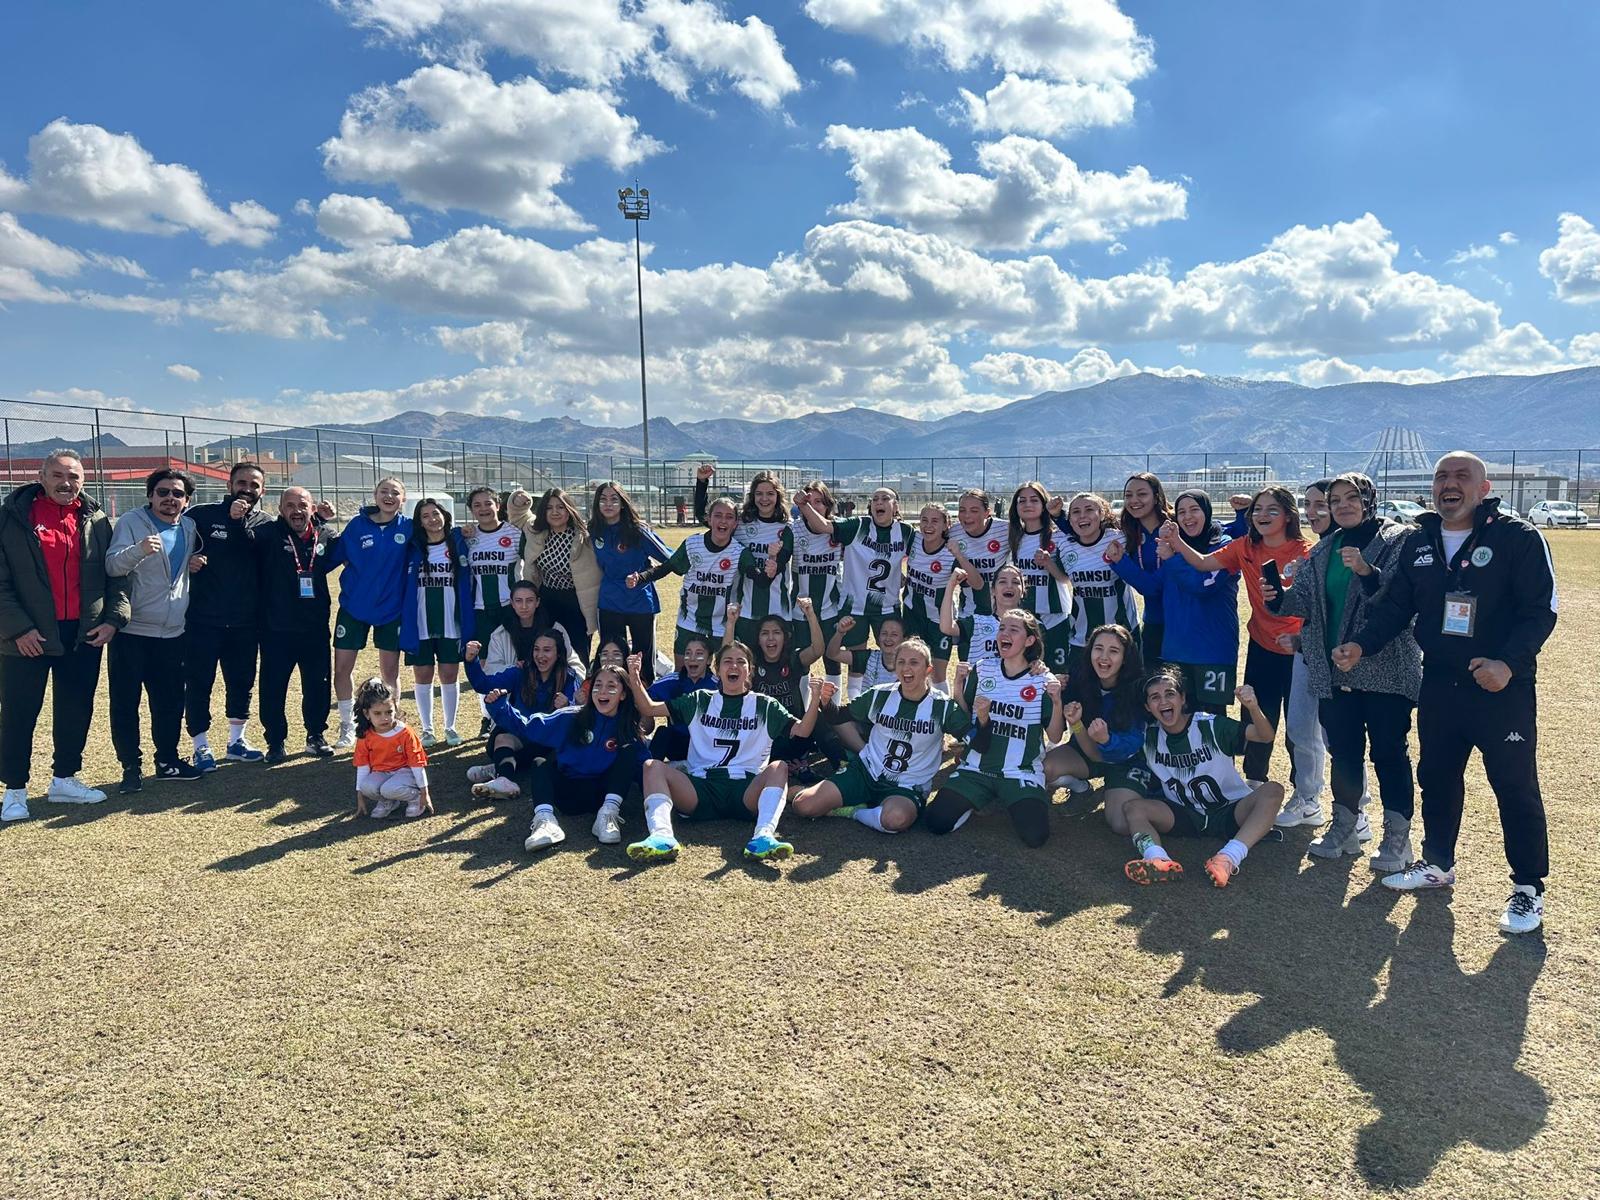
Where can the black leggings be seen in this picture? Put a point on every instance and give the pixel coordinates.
(575, 794)
(636, 631)
(512, 757)
(1270, 674)
(1372, 725)
(563, 608)
(1029, 817)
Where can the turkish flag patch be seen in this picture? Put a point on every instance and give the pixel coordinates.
(1030, 692)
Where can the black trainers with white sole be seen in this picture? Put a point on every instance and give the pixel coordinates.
(179, 770)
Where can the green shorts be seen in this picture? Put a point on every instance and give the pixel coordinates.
(434, 650)
(858, 786)
(718, 799)
(990, 791)
(927, 628)
(351, 634)
(1130, 776)
(1058, 647)
(1209, 685)
(1214, 822)
(857, 637)
(800, 632)
(681, 637)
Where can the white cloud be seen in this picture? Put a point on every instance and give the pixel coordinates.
(118, 264)
(1507, 238)
(1573, 263)
(1030, 193)
(597, 42)
(1067, 64)
(497, 342)
(1326, 372)
(454, 138)
(24, 256)
(1584, 350)
(1519, 350)
(1473, 253)
(360, 221)
(87, 174)
(841, 66)
(184, 372)
(1026, 375)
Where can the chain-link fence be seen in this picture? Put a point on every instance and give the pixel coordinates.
(120, 447)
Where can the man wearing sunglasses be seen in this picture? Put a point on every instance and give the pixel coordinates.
(152, 548)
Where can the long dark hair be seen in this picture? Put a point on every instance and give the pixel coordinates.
(522, 639)
(630, 525)
(559, 495)
(558, 672)
(373, 691)
(419, 536)
(780, 510)
(1133, 529)
(1291, 512)
(1127, 698)
(1034, 652)
(1014, 530)
(628, 722)
(784, 651)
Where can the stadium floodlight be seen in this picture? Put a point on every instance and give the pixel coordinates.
(634, 204)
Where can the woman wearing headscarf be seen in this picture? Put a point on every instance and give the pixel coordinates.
(1201, 634)
(1370, 705)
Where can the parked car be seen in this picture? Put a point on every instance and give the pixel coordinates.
(1507, 511)
(1558, 513)
(1404, 511)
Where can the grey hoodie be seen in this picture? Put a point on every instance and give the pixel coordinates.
(159, 602)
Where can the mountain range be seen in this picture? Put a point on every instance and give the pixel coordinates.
(1134, 415)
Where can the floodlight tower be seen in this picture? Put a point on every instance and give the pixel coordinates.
(634, 204)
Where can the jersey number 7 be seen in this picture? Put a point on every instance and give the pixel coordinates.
(730, 747)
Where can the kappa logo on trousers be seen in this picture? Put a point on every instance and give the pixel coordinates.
(1514, 736)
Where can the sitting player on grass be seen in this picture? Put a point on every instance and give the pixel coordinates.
(1203, 795)
(730, 771)
(886, 786)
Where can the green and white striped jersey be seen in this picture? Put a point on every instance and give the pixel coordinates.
(906, 742)
(496, 558)
(873, 563)
(927, 574)
(730, 737)
(1099, 595)
(436, 594)
(987, 552)
(709, 573)
(764, 597)
(1042, 594)
(867, 671)
(818, 569)
(1019, 709)
(1195, 767)
(980, 634)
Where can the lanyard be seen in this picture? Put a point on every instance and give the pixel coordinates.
(294, 548)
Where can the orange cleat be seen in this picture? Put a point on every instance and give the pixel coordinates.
(1221, 869)
(1146, 871)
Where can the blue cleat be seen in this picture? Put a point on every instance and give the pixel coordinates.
(243, 751)
(204, 760)
(654, 848)
(767, 848)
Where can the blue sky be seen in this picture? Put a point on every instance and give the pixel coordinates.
(338, 210)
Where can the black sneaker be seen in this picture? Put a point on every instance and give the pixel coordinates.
(318, 745)
(179, 769)
(275, 754)
(486, 727)
(132, 781)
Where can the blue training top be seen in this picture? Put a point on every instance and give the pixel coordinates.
(374, 560)
(616, 564)
(1202, 612)
(545, 696)
(578, 755)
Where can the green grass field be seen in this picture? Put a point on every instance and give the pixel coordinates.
(233, 988)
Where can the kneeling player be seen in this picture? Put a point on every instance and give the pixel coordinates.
(887, 785)
(730, 772)
(1203, 795)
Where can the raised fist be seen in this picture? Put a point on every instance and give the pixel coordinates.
(846, 624)
(805, 606)
(471, 651)
(705, 471)
(1098, 733)
(1074, 713)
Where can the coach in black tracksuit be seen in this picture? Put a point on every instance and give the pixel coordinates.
(292, 555)
(1484, 600)
(224, 610)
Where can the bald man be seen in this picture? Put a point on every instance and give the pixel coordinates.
(1481, 588)
(292, 554)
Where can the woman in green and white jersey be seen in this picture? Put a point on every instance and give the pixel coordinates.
(875, 549)
(1033, 546)
(494, 549)
(977, 633)
(980, 546)
(885, 785)
(818, 570)
(1016, 711)
(868, 668)
(929, 567)
(709, 564)
(763, 534)
(730, 771)
(1099, 595)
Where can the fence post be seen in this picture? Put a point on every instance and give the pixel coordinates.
(99, 456)
(1091, 472)
(372, 441)
(322, 488)
(10, 471)
(1516, 486)
(1577, 486)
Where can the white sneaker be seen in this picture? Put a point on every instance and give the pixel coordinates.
(1298, 812)
(608, 825)
(15, 805)
(384, 808)
(70, 791)
(414, 807)
(481, 773)
(546, 831)
(1419, 875)
(1363, 829)
(346, 738)
(1524, 910)
(497, 788)
(1074, 785)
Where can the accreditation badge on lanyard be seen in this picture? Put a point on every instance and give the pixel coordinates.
(307, 582)
(1460, 607)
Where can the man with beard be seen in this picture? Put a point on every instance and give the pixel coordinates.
(223, 615)
(1482, 589)
(292, 557)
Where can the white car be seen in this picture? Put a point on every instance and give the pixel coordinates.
(1558, 513)
(1404, 511)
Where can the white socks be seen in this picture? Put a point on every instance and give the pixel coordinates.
(961, 820)
(201, 742)
(449, 696)
(347, 714)
(769, 807)
(658, 815)
(1234, 851)
(235, 731)
(872, 818)
(424, 694)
